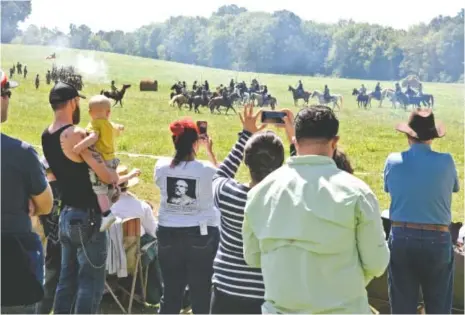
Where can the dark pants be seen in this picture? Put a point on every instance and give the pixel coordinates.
(223, 303)
(420, 259)
(84, 252)
(52, 276)
(186, 258)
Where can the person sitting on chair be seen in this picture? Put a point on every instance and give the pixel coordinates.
(326, 94)
(129, 206)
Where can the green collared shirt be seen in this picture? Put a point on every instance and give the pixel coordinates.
(317, 234)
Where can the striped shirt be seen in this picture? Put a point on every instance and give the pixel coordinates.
(231, 274)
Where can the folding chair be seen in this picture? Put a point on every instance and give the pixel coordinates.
(133, 250)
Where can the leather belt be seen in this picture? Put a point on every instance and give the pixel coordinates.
(428, 227)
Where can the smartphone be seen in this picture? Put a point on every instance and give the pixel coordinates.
(272, 117)
(202, 125)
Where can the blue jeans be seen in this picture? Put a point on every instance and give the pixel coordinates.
(83, 257)
(186, 258)
(420, 259)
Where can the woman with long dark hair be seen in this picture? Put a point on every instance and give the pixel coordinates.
(188, 222)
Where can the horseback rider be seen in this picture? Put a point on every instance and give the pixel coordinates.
(300, 88)
(113, 87)
(326, 94)
(398, 89)
(231, 85)
(409, 91)
(206, 86)
(420, 89)
(265, 93)
(194, 86)
(377, 91)
(363, 90)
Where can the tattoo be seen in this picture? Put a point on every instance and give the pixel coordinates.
(97, 157)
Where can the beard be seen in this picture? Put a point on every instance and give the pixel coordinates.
(77, 116)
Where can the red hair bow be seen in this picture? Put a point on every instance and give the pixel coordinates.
(178, 127)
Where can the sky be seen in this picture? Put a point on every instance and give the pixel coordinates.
(129, 15)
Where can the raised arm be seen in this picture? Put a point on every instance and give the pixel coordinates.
(88, 141)
(228, 168)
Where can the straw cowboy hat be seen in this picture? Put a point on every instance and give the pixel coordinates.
(421, 126)
(123, 170)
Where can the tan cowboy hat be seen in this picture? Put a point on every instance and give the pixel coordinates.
(421, 126)
(123, 170)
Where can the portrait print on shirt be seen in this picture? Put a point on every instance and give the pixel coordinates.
(182, 192)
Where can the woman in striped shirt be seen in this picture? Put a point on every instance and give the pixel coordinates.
(238, 288)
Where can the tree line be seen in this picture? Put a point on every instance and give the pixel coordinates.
(281, 42)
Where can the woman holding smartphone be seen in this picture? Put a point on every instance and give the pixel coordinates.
(238, 288)
(188, 222)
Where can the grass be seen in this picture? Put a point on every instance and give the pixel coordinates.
(367, 136)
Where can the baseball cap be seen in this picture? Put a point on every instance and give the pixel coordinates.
(5, 83)
(62, 92)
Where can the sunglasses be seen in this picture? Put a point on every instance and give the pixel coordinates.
(6, 93)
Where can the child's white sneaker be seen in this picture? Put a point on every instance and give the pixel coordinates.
(107, 222)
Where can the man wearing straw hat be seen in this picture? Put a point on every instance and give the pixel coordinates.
(420, 182)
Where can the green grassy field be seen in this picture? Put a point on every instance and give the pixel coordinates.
(367, 136)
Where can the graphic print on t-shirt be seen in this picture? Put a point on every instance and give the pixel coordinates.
(182, 192)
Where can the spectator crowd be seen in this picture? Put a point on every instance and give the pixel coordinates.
(302, 235)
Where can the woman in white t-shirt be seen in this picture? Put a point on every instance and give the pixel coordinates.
(188, 222)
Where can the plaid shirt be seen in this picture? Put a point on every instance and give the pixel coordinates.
(50, 221)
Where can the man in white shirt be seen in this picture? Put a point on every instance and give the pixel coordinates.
(129, 206)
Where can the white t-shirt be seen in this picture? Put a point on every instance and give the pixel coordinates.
(186, 194)
(128, 206)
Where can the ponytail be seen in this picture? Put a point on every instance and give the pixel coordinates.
(185, 135)
(184, 146)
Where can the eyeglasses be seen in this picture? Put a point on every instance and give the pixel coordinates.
(6, 93)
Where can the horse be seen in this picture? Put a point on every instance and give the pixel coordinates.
(179, 100)
(117, 95)
(296, 95)
(271, 100)
(334, 98)
(362, 100)
(218, 101)
(197, 101)
(426, 99)
(391, 95)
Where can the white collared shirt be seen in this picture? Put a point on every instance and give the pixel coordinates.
(129, 206)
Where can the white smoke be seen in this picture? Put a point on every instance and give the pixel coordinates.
(91, 68)
(87, 64)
